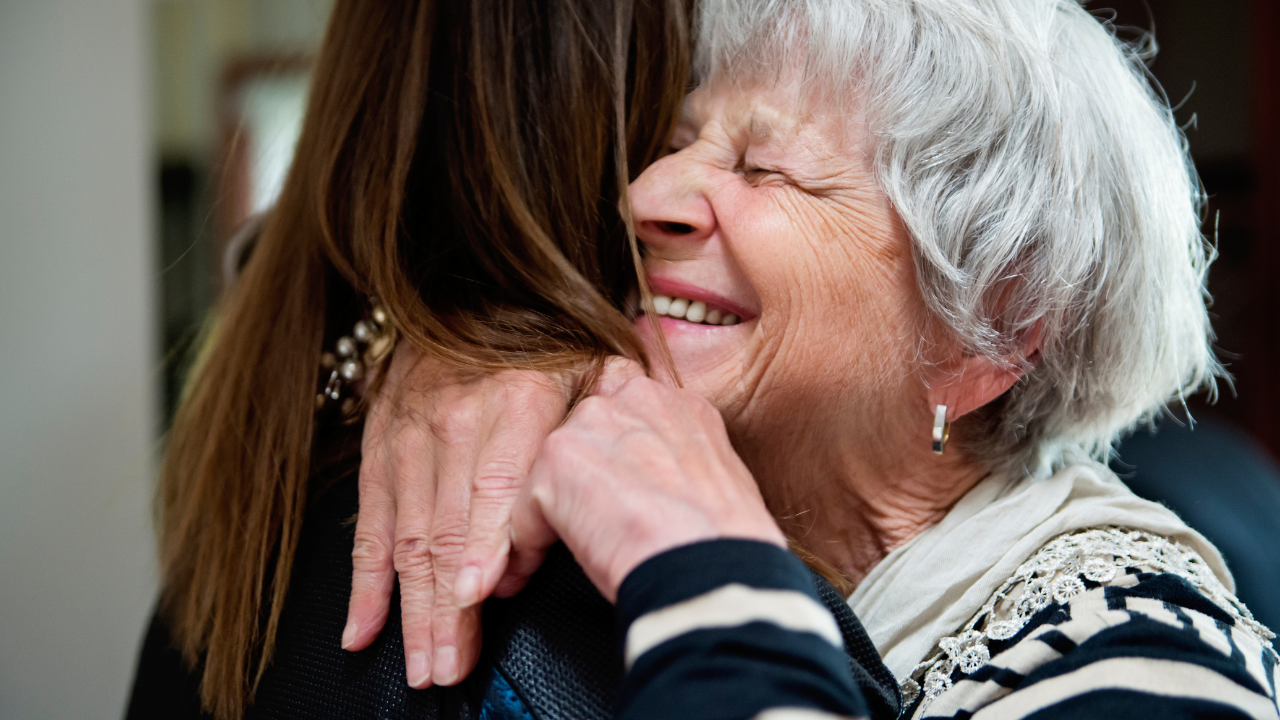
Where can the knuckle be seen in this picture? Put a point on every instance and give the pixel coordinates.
(641, 393)
(407, 439)
(449, 535)
(459, 411)
(448, 546)
(499, 475)
(412, 555)
(592, 406)
(638, 384)
(456, 431)
(369, 551)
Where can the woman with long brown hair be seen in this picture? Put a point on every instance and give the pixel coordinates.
(462, 163)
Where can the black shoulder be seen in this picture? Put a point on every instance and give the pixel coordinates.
(163, 685)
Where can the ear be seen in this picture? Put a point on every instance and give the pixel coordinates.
(967, 382)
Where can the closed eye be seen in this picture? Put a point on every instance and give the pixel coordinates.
(758, 176)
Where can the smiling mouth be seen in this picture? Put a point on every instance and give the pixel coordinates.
(693, 311)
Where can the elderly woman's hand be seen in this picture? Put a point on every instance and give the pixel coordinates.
(444, 457)
(638, 468)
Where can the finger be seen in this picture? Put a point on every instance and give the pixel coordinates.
(373, 572)
(488, 545)
(456, 632)
(415, 507)
(520, 566)
(373, 569)
(468, 638)
(512, 582)
(448, 533)
(617, 372)
(458, 442)
(505, 462)
(531, 535)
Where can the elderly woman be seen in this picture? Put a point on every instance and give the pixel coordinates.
(926, 259)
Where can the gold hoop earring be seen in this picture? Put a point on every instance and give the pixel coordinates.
(941, 429)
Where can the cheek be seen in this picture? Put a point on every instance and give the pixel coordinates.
(841, 310)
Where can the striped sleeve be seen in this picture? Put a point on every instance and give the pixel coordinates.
(731, 630)
(1148, 645)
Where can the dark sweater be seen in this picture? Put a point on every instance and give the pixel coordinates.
(553, 651)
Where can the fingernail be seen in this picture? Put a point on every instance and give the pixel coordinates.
(418, 669)
(466, 590)
(349, 635)
(446, 665)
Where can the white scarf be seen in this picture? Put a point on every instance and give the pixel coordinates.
(931, 586)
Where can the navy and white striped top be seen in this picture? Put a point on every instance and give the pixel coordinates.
(734, 629)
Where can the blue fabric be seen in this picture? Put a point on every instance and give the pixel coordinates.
(501, 701)
(1226, 486)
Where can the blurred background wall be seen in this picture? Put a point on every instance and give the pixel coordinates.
(111, 120)
(78, 381)
(135, 136)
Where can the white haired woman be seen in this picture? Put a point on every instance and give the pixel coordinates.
(926, 259)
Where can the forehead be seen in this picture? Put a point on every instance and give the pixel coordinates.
(778, 115)
(762, 111)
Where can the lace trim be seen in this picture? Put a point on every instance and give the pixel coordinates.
(1056, 573)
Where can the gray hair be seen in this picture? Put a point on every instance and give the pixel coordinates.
(1045, 186)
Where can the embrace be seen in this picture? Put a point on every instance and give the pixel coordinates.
(721, 359)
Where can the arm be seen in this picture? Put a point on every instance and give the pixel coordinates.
(1143, 645)
(730, 629)
(721, 621)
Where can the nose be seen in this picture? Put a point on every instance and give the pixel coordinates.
(669, 205)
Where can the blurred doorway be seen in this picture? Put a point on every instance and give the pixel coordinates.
(231, 79)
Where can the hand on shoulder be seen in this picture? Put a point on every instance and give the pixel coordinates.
(638, 468)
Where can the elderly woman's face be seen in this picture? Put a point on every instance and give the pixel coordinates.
(772, 214)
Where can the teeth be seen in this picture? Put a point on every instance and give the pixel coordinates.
(694, 312)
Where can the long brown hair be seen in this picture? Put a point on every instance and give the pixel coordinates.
(463, 163)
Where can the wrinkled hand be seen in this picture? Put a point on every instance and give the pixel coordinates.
(638, 468)
(444, 458)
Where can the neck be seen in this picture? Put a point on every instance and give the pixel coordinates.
(851, 511)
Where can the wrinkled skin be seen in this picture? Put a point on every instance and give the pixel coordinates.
(825, 390)
(828, 385)
(444, 458)
(639, 468)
